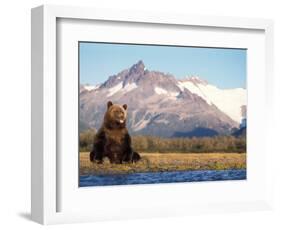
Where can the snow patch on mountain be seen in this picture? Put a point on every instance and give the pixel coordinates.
(193, 88)
(161, 91)
(142, 123)
(115, 89)
(129, 87)
(229, 101)
(90, 87)
(119, 88)
(162, 121)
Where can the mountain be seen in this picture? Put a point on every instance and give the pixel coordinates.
(161, 105)
(229, 101)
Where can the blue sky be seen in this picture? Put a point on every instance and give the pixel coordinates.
(225, 68)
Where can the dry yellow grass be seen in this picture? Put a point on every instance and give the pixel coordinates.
(159, 162)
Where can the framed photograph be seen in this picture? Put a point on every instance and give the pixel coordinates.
(166, 128)
(141, 114)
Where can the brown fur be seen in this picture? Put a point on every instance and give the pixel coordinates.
(113, 140)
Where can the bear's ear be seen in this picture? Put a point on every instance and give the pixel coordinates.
(125, 106)
(109, 104)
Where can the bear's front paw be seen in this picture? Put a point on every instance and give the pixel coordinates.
(136, 157)
(99, 161)
(92, 156)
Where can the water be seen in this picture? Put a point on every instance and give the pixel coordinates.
(162, 177)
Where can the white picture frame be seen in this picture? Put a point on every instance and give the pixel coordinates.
(49, 189)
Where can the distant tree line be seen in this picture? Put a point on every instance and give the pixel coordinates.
(190, 145)
(177, 145)
(86, 139)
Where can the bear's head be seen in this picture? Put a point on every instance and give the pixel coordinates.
(115, 116)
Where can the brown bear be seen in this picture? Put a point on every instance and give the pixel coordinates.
(112, 139)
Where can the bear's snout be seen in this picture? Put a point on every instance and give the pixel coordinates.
(120, 121)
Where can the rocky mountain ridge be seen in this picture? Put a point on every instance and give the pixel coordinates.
(161, 105)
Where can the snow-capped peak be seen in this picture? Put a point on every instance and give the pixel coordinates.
(139, 67)
(229, 101)
(194, 79)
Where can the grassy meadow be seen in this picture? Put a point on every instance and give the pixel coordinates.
(161, 162)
